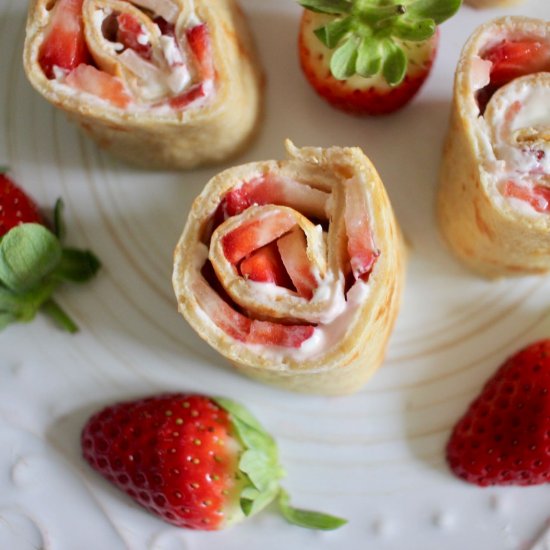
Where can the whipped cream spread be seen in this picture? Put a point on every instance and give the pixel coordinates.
(152, 82)
(515, 137)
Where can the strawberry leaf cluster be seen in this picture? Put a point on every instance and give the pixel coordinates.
(33, 264)
(365, 34)
(259, 463)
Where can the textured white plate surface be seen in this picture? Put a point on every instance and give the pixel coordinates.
(375, 457)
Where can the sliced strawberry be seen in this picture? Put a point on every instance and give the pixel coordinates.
(250, 331)
(361, 247)
(254, 234)
(222, 314)
(129, 32)
(96, 82)
(274, 334)
(512, 59)
(64, 45)
(16, 207)
(265, 266)
(200, 44)
(193, 94)
(538, 197)
(293, 250)
(273, 189)
(167, 29)
(504, 437)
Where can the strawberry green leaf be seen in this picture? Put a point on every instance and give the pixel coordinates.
(4, 169)
(6, 319)
(23, 306)
(308, 518)
(344, 59)
(414, 30)
(58, 221)
(260, 467)
(259, 462)
(369, 60)
(53, 309)
(335, 7)
(253, 501)
(395, 63)
(236, 410)
(331, 34)
(438, 10)
(78, 266)
(28, 253)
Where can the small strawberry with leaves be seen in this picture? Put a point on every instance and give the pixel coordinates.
(195, 461)
(370, 57)
(33, 261)
(504, 437)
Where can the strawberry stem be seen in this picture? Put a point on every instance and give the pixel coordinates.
(54, 310)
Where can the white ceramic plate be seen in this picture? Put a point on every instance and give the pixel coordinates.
(375, 457)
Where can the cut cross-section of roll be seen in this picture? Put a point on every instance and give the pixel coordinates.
(293, 270)
(159, 83)
(494, 196)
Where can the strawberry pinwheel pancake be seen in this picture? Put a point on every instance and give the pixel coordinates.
(293, 269)
(159, 83)
(494, 196)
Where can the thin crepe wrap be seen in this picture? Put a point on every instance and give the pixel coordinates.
(325, 338)
(152, 134)
(492, 234)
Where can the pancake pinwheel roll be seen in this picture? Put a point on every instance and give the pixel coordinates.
(159, 83)
(293, 269)
(494, 195)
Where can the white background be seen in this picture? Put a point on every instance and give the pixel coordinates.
(375, 457)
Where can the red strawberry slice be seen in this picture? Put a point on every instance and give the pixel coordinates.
(247, 330)
(195, 461)
(293, 250)
(254, 234)
(193, 94)
(16, 207)
(274, 334)
(129, 32)
(168, 29)
(273, 189)
(361, 247)
(101, 84)
(504, 437)
(512, 59)
(538, 196)
(222, 314)
(200, 44)
(265, 266)
(355, 89)
(64, 45)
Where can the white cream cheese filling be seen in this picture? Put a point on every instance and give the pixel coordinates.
(168, 80)
(516, 114)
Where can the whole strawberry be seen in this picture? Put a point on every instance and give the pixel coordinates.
(370, 57)
(195, 461)
(504, 437)
(16, 207)
(33, 260)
